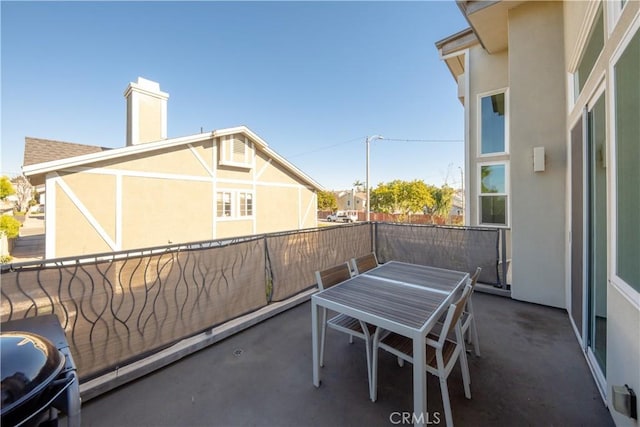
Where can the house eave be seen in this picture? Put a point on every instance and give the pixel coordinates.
(489, 20)
(41, 169)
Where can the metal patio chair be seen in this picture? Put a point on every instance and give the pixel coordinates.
(364, 263)
(341, 322)
(442, 352)
(469, 328)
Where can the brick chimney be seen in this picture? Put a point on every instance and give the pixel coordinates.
(146, 112)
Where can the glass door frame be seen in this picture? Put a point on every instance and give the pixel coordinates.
(599, 94)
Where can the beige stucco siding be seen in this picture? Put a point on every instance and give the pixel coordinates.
(206, 151)
(537, 119)
(149, 109)
(177, 160)
(168, 196)
(308, 208)
(273, 172)
(98, 195)
(487, 73)
(74, 233)
(236, 174)
(234, 228)
(163, 211)
(278, 208)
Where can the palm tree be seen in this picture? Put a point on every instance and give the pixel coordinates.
(358, 185)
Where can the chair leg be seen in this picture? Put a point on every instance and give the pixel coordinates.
(323, 319)
(350, 339)
(367, 344)
(473, 330)
(445, 399)
(474, 336)
(373, 385)
(466, 378)
(400, 362)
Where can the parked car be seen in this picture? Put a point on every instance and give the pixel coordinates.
(343, 216)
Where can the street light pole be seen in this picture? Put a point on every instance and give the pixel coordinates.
(367, 142)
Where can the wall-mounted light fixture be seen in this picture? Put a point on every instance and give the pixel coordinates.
(538, 159)
(624, 401)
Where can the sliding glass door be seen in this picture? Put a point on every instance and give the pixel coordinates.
(596, 241)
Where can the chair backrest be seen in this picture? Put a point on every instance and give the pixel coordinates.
(454, 313)
(364, 263)
(333, 275)
(474, 278)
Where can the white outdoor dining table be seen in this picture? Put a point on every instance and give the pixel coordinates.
(407, 299)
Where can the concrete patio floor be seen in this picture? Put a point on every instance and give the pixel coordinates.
(531, 372)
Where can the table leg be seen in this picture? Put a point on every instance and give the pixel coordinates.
(419, 381)
(315, 339)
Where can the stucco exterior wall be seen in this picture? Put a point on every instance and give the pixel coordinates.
(537, 119)
(169, 196)
(574, 15)
(163, 211)
(178, 161)
(546, 41)
(487, 73)
(289, 208)
(76, 234)
(149, 110)
(623, 349)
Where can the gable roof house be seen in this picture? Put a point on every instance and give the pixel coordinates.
(551, 95)
(158, 190)
(351, 200)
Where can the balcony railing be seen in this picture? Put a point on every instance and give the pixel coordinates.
(120, 307)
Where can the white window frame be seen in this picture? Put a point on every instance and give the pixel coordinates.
(507, 192)
(630, 293)
(583, 39)
(614, 9)
(235, 212)
(226, 151)
(479, 97)
(240, 204)
(223, 192)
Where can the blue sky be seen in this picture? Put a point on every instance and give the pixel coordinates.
(313, 79)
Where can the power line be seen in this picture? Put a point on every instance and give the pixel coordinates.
(362, 138)
(326, 147)
(432, 141)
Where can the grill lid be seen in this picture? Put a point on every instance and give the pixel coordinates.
(29, 363)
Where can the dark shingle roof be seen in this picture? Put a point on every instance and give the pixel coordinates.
(38, 150)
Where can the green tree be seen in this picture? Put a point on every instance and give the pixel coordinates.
(327, 201)
(442, 200)
(6, 188)
(399, 196)
(9, 226)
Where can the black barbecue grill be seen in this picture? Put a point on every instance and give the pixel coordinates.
(39, 379)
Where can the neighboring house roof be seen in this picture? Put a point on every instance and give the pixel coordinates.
(38, 150)
(101, 154)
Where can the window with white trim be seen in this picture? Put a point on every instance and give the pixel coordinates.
(235, 150)
(493, 206)
(590, 53)
(234, 204)
(246, 203)
(614, 10)
(493, 124)
(627, 149)
(223, 204)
